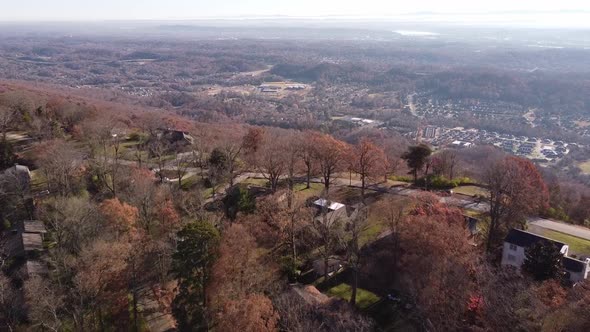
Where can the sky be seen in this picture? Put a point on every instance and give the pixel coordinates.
(81, 10)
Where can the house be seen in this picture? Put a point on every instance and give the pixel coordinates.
(334, 264)
(323, 203)
(31, 234)
(175, 136)
(577, 270)
(32, 242)
(517, 241)
(36, 268)
(472, 225)
(35, 226)
(19, 175)
(333, 211)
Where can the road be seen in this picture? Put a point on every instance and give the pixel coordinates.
(337, 182)
(553, 225)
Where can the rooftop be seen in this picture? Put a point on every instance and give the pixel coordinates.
(324, 203)
(32, 241)
(526, 239)
(574, 265)
(35, 226)
(36, 268)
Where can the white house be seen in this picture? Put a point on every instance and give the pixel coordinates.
(323, 203)
(517, 241)
(577, 270)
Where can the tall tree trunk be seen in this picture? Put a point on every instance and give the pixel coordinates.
(100, 322)
(363, 188)
(326, 264)
(354, 286)
(134, 294)
(308, 177)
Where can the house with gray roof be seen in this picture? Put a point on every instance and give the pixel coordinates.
(518, 241)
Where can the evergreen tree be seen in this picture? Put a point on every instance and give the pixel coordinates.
(196, 252)
(544, 261)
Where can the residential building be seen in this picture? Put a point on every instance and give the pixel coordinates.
(517, 241)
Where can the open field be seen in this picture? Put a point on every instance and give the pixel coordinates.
(470, 191)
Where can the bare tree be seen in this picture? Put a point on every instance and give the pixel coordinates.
(306, 153)
(7, 116)
(272, 157)
(368, 161)
(328, 229)
(61, 163)
(45, 304)
(158, 150)
(72, 220)
(356, 225)
(11, 304)
(182, 163)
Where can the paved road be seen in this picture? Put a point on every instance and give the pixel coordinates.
(338, 182)
(578, 231)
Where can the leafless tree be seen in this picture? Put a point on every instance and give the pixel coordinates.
(182, 163)
(61, 163)
(306, 153)
(11, 305)
(72, 220)
(328, 228)
(272, 157)
(7, 116)
(45, 304)
(368, 161)
(158, 150)
(357, 224)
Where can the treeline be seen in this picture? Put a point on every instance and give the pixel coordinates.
(121, 235)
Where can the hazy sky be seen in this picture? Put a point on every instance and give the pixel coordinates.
(15, 10)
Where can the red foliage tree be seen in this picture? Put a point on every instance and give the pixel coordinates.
(516, 190)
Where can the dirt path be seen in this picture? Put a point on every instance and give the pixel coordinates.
(157, 319)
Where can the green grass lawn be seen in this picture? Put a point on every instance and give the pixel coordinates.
(577, 245)
(371, 233)
(364, 298)
(38, 179)
(585, 167)
(188, 183)
(470, 191)
(207, 193)
(256, 182)
(301, 193)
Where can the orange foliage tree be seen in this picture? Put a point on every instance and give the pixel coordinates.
(437, 263)
(121, 216)
(368, 161)
(238, 279)
(255, 313)
(330, 154)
